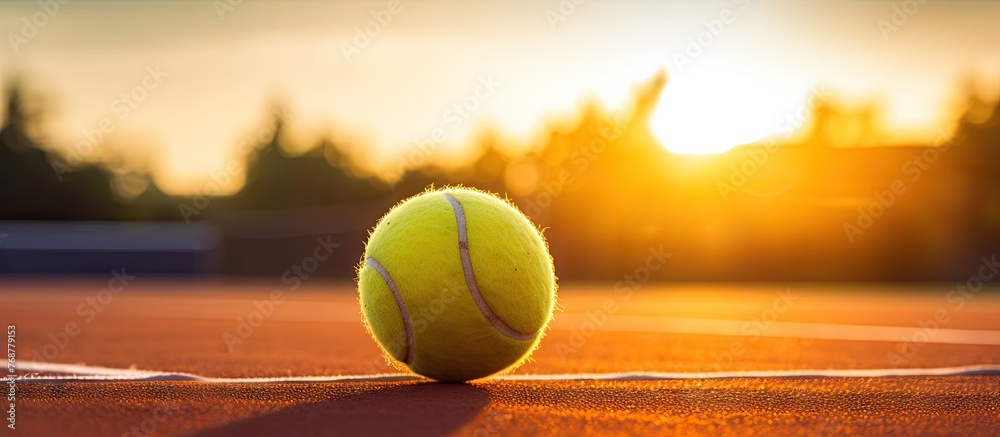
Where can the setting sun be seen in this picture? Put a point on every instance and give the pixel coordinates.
(711, 110)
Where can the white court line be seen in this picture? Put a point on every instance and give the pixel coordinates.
(817, 331)
(82, 373)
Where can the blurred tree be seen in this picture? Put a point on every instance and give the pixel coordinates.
(32, 188)
(321, 176)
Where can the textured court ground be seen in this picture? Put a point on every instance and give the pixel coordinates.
(690, 329)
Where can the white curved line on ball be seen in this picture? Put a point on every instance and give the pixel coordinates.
(410, 343)
(470, 276)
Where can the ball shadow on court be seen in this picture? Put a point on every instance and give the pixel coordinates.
(412, 409)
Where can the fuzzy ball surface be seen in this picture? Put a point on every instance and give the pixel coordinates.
(457, 284)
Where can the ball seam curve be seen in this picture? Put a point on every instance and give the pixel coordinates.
(470, 276)
(410, 342)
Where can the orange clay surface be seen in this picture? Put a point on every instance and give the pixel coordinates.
(182, 326)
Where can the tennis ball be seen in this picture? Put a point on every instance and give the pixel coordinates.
(456, 284)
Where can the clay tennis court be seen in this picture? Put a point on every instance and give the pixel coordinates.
(603, 217)
(690, 359)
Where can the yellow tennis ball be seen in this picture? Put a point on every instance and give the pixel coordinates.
(457, 284)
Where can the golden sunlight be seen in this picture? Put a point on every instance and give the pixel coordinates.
(712, 110)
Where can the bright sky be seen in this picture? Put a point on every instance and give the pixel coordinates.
(516, 63)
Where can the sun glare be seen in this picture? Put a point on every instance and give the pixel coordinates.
(708, 111)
